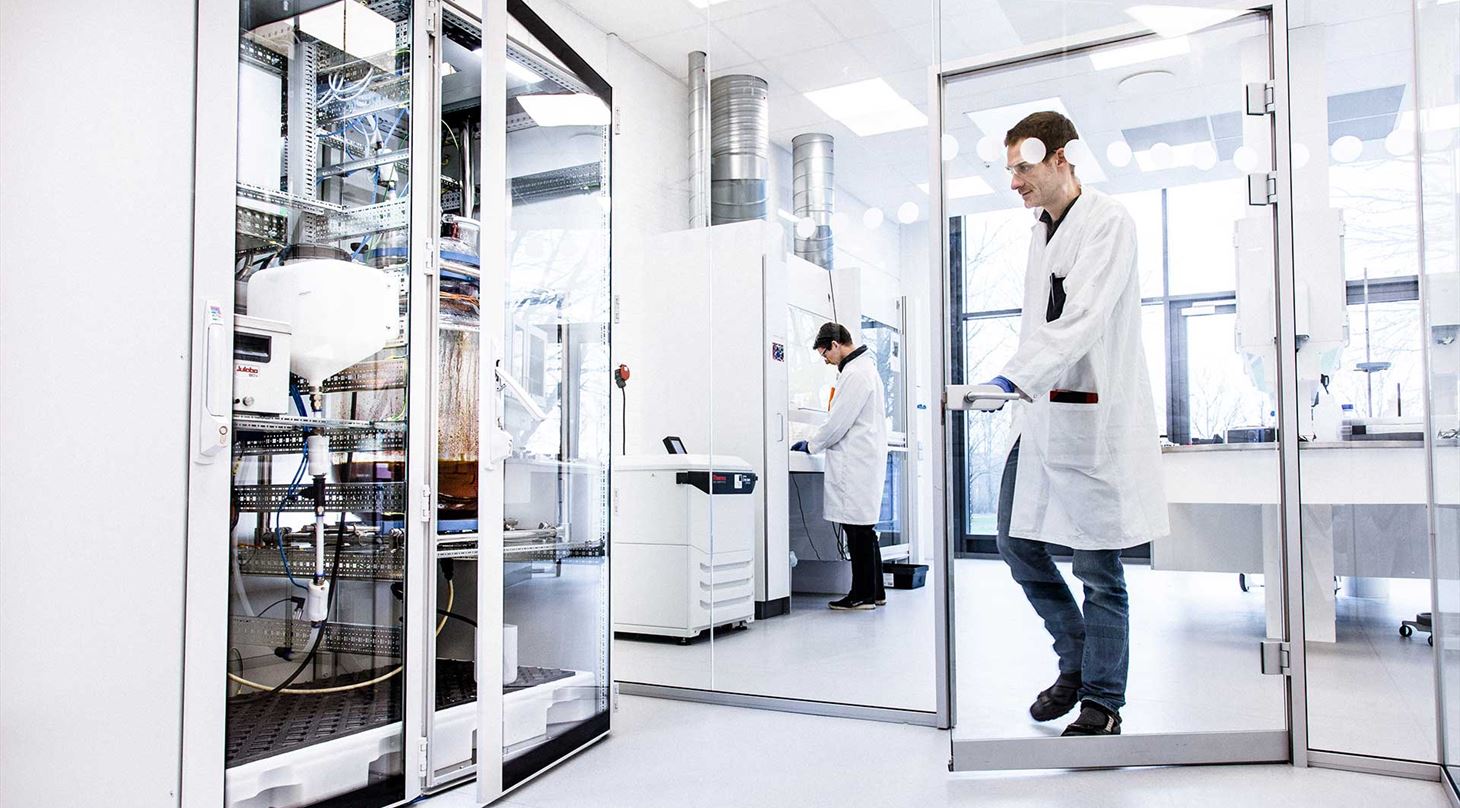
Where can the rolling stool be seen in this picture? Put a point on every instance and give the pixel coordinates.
(1424, 621)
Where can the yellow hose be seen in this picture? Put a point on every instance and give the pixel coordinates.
(300, 691)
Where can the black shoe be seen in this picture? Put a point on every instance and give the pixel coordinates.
(1057, 699)
(848, 604)
(1094, 720)
(881, 601)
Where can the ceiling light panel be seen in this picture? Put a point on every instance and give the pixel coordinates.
(868, 107)
(1107, 58)
(998, 120)
(565, 110)
(1175, 21)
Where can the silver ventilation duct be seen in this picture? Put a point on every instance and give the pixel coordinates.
(811, 194)
(699, 140)
(740, 146)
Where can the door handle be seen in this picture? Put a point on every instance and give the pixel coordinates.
(215, 399)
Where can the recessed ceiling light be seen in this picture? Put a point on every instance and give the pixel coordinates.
(868, 107)
(1135, 54)
(1170, 21)
(962, 187)
(565, 109)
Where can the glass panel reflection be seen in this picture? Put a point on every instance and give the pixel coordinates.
(556, 379)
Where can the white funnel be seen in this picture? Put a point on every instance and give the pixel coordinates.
(340, 312)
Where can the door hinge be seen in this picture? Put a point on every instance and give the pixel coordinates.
(422, 762)
(1276, 658)
(1262, 189)
(618, 121)
(425, 503)
(1261, 98)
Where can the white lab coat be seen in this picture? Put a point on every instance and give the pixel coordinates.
(854, 438)
(1089, 474)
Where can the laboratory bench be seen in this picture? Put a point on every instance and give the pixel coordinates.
(1363, 515)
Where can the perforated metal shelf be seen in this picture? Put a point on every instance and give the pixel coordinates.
(262, 726)
(353, 638)
(353, 497)
(292, 443)
(366, 565)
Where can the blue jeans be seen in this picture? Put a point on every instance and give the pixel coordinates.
(1095, 643)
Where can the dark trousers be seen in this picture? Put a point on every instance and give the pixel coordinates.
(1095, 641)
(866, 556)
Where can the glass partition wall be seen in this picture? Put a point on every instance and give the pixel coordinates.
(765, 200)
(1366, 548)
(1436, 133)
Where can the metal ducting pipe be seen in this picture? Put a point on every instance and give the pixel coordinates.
(740, 147)
(812, 195)
(699, 139)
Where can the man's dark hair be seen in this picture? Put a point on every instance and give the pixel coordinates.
(829, 333)
(1053, 130)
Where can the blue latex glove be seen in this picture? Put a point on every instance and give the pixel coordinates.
(988, 404)
(801, 446)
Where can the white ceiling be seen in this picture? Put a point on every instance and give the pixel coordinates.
(804, 45)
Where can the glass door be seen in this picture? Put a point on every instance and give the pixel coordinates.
(326, 423)
(545, 334)
(1078, 609)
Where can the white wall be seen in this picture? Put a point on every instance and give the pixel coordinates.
(95, 271)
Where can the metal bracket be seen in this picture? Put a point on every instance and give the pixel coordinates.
(1262, 189)
(1261, 98)
(1276, 658)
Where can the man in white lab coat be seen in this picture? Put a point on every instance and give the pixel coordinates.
(854, 438)
(1084, 469)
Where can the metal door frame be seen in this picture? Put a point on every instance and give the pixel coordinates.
(1290, 745)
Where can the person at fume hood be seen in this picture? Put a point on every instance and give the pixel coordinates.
(854, 438)
(1084, 467)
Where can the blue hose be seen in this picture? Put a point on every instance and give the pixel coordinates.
(279, 514)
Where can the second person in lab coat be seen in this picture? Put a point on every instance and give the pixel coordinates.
(854, 438)
(1084, 470)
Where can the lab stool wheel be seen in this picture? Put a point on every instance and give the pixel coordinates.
(1424, 621)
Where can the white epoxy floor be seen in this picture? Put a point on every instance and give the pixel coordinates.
(1194, 663)
(669, 754)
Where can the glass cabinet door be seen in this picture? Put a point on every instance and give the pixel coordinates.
(545, 303)
(319, 533)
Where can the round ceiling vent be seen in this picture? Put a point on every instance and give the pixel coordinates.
(1147, 82)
